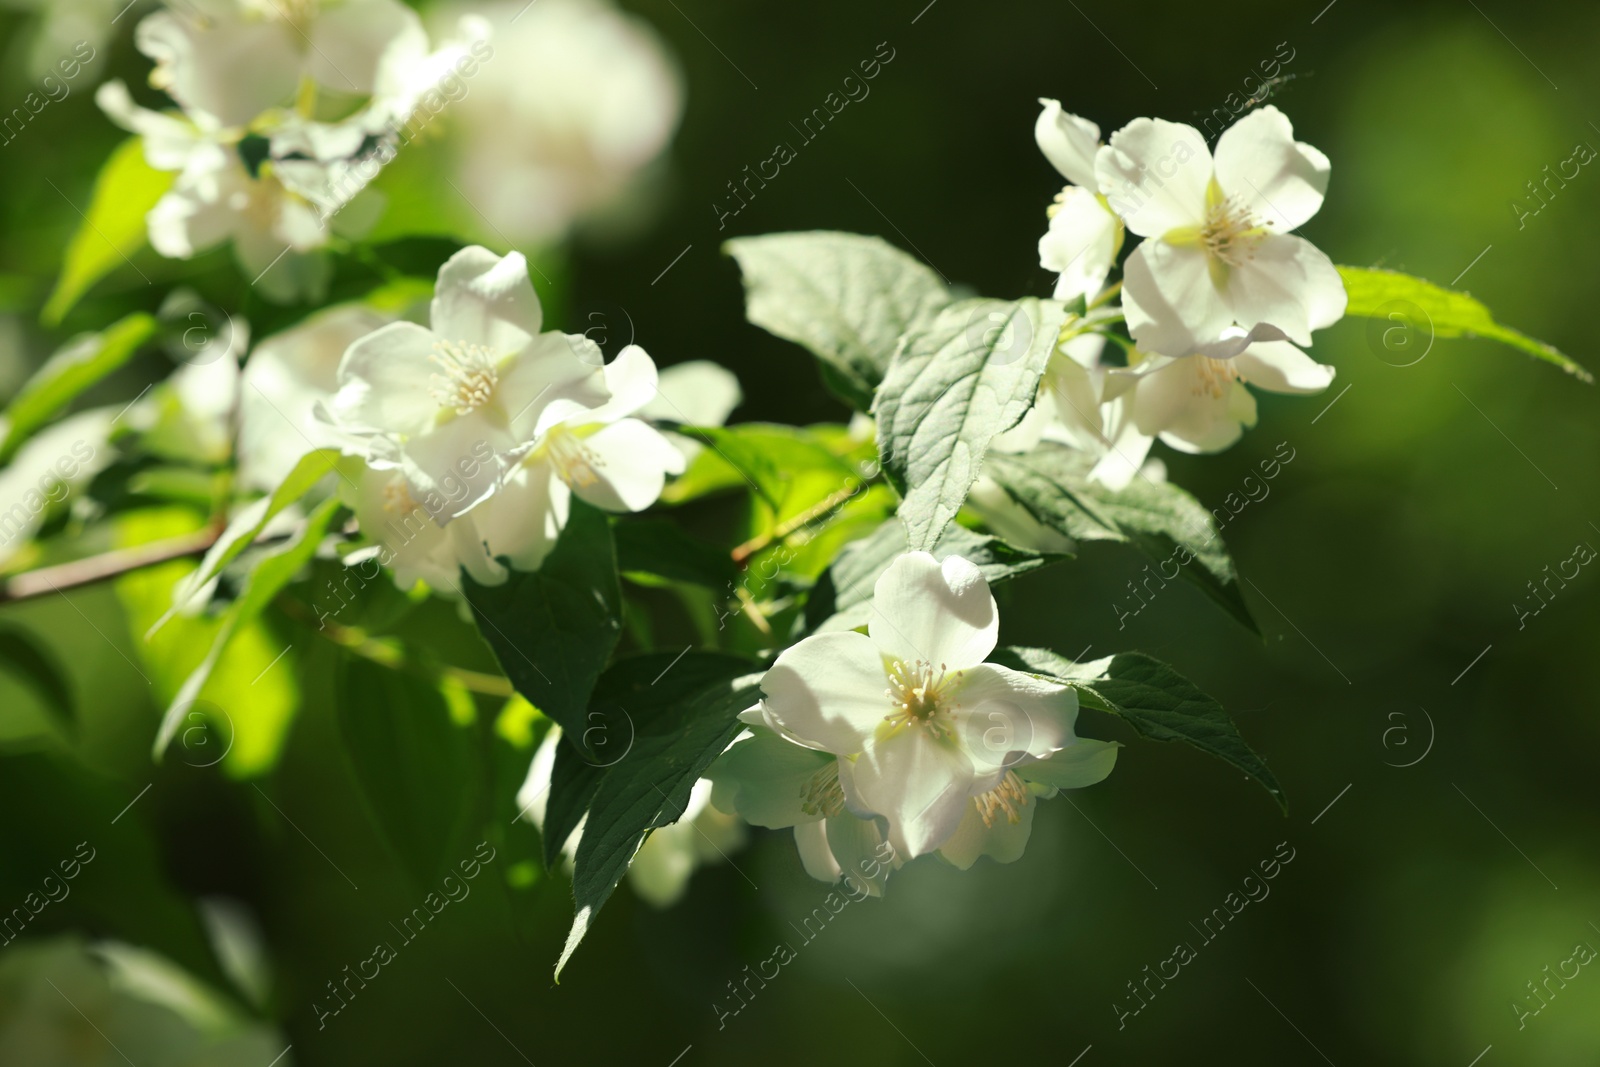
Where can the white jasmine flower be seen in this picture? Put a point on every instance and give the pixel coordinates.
(1221, 268)
(1200, 404)
(406, 534)
(285, 378)
(578, 99)
(585, 446)
(452, 404)
(1085, 235)
(923, 724)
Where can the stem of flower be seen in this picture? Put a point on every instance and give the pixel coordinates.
(742, 554)
(91, 569)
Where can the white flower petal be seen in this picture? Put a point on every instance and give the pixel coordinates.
(1003, 841)
(698, 393)
(920, 785)
(523, 518)
(811, 841)
(1154, 173)
(939, 613)
(1288, 283)
(458, 460)
(1081, 243)
(1280, 179)
(349, 41)
(858, 847)
(1068, 142)
(1192, 406)
(1002, 715)
(1280, 367)
(484, 299)
(764, 779)
(1085, 762)
(829, 690)
(1170, 300)
(230, 69)
(631, 461)
(385, 379)
(547, 372)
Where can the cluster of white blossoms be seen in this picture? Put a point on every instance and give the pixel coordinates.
(1219, 294)
(904, 736)
(477, 430)
(279, 101)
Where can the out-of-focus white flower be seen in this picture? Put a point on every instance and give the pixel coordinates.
(577, 99)
(70, 33)
(452, 405)
(285, 378)
(660, 870)
(592, 448)
(696, 393)
(1220, 269)
(47, 469)
(1085, 235)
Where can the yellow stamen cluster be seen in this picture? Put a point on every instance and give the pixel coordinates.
(1215, 376)
(915, 692)
(397, 499)
(574, 463)
(822, 794)
(1010, 796)
(467, 378)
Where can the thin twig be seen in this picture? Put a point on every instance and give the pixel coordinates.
(113, 564)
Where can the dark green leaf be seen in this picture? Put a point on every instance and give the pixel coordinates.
(28, 662)
(1161, 520)
(661, 548)
(413, 763)
(554, 629)
(1155, 700)
(955, 384)
(845, 297)
(842, 597)
(683, 715)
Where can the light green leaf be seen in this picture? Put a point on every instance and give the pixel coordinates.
(554, 629)
(769, 456)
(1388, 295)
(413, 762)
(79, 364)
(276, 570)
(973, 373)
(842, 597)
(113, 227)
(1161, 520)
(845, 297)
(1157, 701)
(248, 524)
(683, 715)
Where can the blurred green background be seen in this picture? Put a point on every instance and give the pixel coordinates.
(1386, 560)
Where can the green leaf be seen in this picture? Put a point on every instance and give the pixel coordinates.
(683, 716)
(573, 781)
(554, 629)
(1388, 295)
(663, 549)
(277, 569)
(1157, 701)
(845, 297)
(113, 227)
(28, 662)
(1159, 519)
(769, 456)
(413, 762)
(842, 597)
(249, 523)
(79, 364)
(973, 373)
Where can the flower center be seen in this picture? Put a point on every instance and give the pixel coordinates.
(397, 498)
(822, 794)
(1231, 230)
(574, 462)
(1010, 797)
(467, 377)
(918, 696)
(1215, 375)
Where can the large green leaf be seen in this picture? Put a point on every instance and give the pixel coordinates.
(554, 629)
(1394, 297)
(1161, 520)
(113, 227)
(845, 297)
(683, 713)
(954, 384)
(662, 549)
(842, 597)
(277, 569)
(79, 364)
(769, 456)
(413, 762)
(1157, 701)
